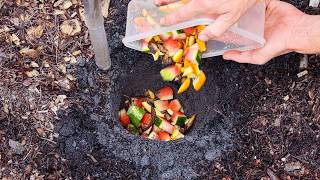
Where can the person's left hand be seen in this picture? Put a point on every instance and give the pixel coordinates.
(225, 12)
(284, 29)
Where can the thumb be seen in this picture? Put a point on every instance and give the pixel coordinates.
(163, 2)
(257, 56)
(220, 26)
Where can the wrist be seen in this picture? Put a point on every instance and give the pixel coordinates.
(305, 38)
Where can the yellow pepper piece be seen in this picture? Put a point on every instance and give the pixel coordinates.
(186, 43)
(191, 41)
(157, 39)
(200, 28)
(195, 68)
(151, 94)
(199, 81)
(185, 85)
(176, 134)
(202, 45)
(182, 69)
(156, 56)
(147, 106)
(186, 63)
(178, 56)
(187, 71)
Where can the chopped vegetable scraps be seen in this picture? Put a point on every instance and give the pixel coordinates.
(180, 49)
(157, 116)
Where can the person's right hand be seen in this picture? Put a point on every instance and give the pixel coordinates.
(225, 12)
(287, 29)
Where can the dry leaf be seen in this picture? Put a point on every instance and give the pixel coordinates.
(35, 32)
(70, 27)
(6, 108)
(286, 98)
(64, 84)
(71, 78)
(40, 131)
(1, 3)
(4, 29)
(39, 48)
(66, 5)
(45, 64)
(29, 52)
(75, 2)
(34, 64)
(53, 107)
(67, 58)
(56, 4)
(63, 68)
(105, 8)
(60, 99)
(58, 12)
(41, 6)
(15, 21)
(73, 60)
(25, 17)
(33, 73)
(14, 38)
(76, 53)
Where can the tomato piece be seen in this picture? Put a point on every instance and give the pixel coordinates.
(137, 102)
(124, 118)
(164, 136)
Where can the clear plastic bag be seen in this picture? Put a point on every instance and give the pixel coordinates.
(247, 34)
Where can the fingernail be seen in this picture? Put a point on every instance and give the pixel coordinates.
(203, 37)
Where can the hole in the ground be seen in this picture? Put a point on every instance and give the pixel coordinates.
(206, 104)
(156, 115)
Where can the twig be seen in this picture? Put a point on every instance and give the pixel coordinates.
(92, 158)
(53, 142)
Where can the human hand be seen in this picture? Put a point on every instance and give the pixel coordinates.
(285, 29)
(225, 12)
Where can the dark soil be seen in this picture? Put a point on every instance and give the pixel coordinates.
(254, 121)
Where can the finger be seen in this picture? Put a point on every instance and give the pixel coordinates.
(163, 2)
(220, 26)
(257, 56)
(184, 13)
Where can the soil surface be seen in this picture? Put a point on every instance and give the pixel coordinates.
(255, 122)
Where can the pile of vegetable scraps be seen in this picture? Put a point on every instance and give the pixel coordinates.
(181, 50)
(156, 116)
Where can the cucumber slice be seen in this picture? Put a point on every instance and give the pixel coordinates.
(153, 135)
(176, 134)
(133, 130)
(181, 121)
(136, 114)
(164, 125)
